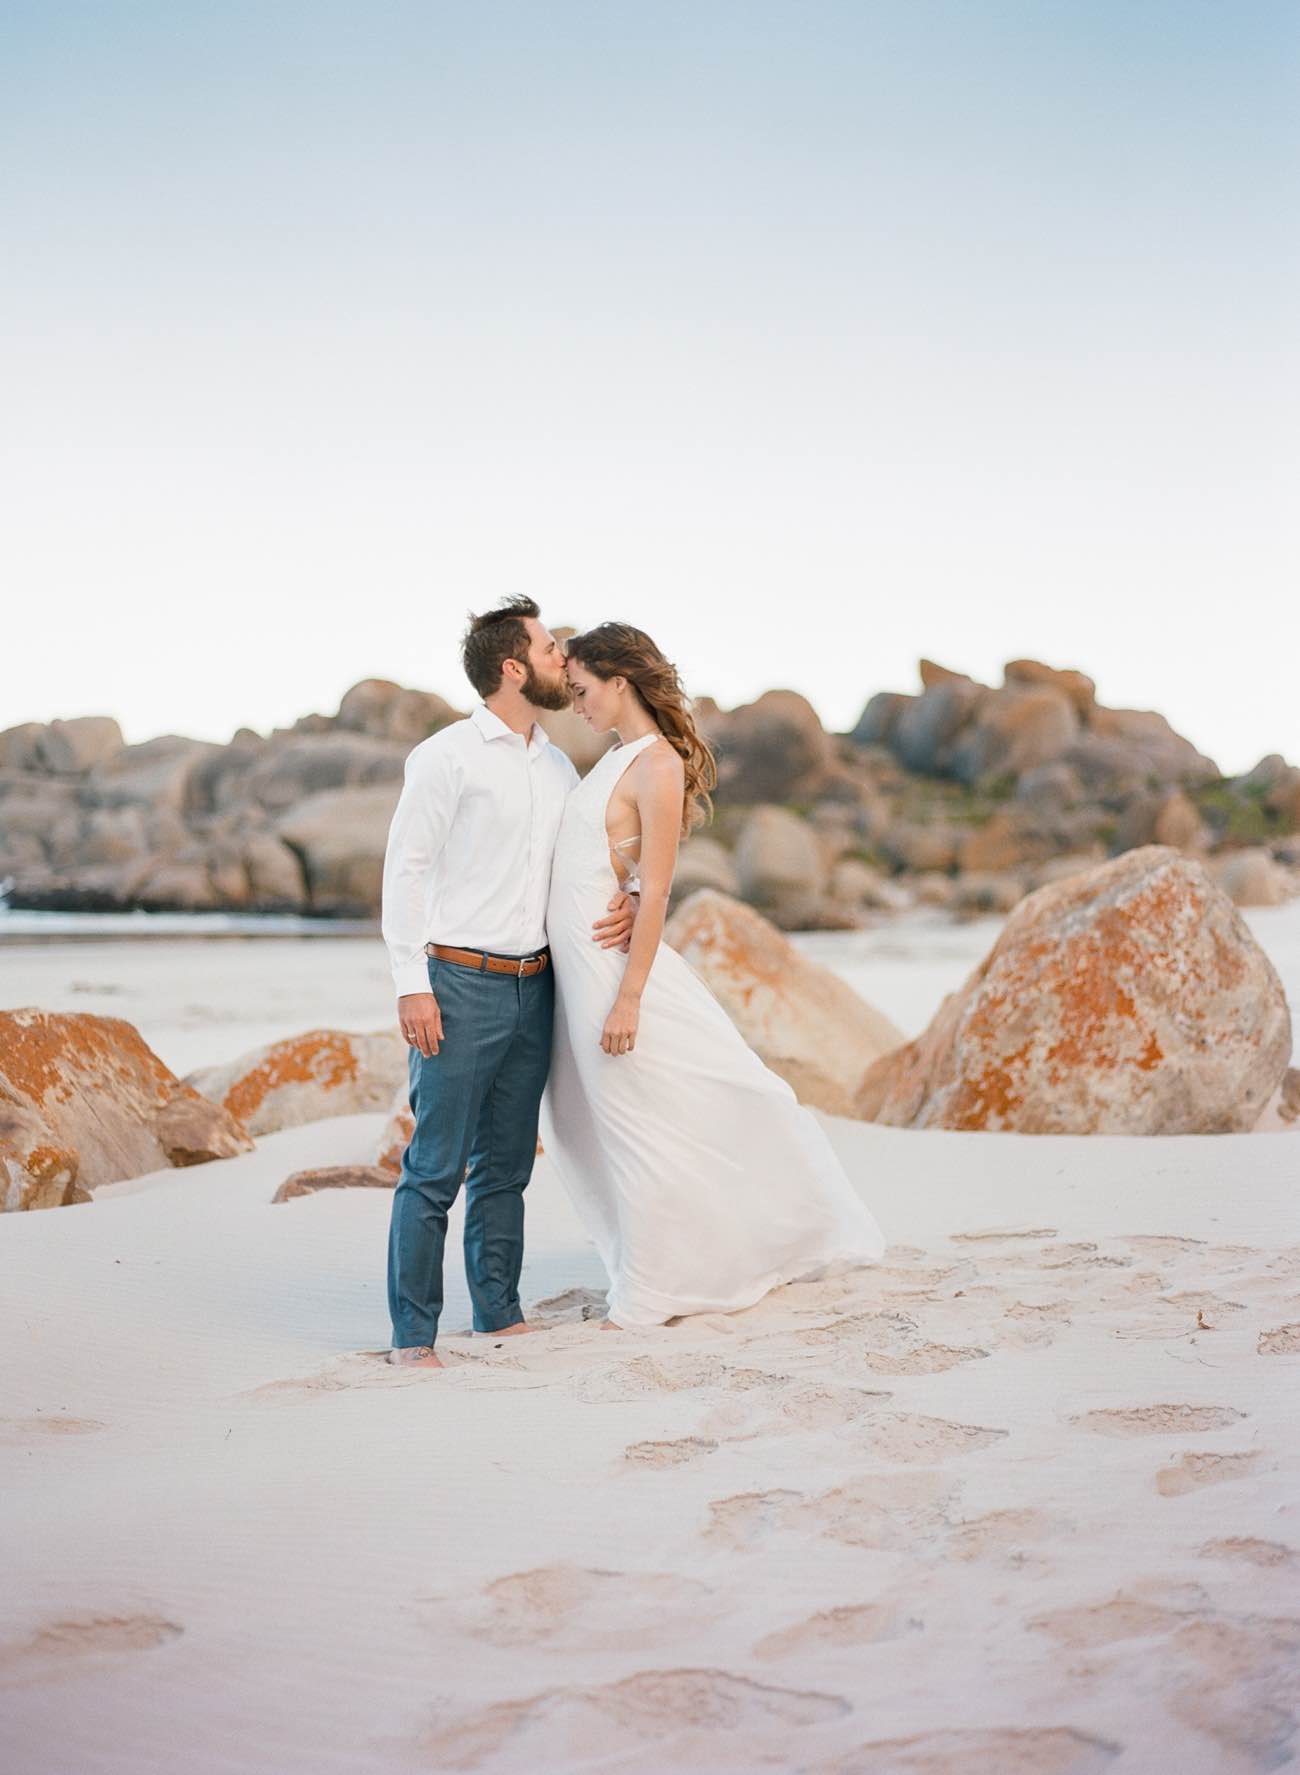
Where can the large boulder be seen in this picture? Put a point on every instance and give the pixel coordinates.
(703, 862)
(275, 876)
(85, 1101)
(340, 838)
(1128, 1000)
(161, 773)
(781, 866)
(924, 730)
(72, 747)
(802, 1020)
(878, 721)
(304, 1078)
(775, 749)
(387, 711)
(1016, 729)
(20, 746)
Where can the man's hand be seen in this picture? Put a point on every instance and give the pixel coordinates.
(420, 1018)
(615, 931)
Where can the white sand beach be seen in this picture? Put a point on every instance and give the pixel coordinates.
(1024, 1499)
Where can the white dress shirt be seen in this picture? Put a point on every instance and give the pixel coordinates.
(469, 850)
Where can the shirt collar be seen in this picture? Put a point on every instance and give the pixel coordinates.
(492, 727)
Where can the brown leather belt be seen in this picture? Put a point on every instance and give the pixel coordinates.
(494, 964)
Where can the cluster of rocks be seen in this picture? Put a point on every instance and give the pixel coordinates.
(292, 822)
(1132, 1000)
(962, 796)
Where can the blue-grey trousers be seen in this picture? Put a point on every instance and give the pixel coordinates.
(475, 1104)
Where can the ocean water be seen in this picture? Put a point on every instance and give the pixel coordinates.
(57, 927)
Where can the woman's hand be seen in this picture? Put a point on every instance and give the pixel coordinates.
(619, 1034)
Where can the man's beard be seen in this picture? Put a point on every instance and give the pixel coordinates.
(557, 694)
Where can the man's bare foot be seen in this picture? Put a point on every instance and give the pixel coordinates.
(510, 1331)
(609, 1325)
(416, 1356)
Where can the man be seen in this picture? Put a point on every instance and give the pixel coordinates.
(466, 876)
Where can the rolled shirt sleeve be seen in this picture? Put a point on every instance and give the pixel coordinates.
(416, 837)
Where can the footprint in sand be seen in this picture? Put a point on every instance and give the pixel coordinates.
(646, 1375)
(1033, 1324)
(997, 1750)
(665, 1719)
(888, 1342)
(910, 1436)
(60, 1645)
(1158, 1420)
(572, 1608)
(863, 1624)
(1192, 1472)
(924, 1359)
(45, 1427)
(1251, 1550)
(1283, 1340)
(1001, 1535)
(1104, 1623)
(881, 1511)
(669, 1454)
(1073, 1255)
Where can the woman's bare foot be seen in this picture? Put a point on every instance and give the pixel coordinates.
(609, 1325)
(511, 1330)
(416, 1356)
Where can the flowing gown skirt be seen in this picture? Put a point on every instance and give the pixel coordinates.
(701, 1179)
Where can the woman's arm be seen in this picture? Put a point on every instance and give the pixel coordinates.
(658, 785)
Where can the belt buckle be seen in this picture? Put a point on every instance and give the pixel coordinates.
(523, 961)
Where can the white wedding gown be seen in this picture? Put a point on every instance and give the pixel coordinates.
(701, 1179)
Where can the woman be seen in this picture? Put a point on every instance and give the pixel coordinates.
(700, 1177)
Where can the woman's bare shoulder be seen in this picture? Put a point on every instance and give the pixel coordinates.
(662, 763)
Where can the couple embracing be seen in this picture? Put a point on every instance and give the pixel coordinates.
(523, 909)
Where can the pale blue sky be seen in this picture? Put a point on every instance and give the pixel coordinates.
(810, 336)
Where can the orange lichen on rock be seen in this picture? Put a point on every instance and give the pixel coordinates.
(322, 1057)
(84, 1100)
(323, 1072)
(1131, 998)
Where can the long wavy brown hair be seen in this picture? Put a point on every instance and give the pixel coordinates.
(617, 650)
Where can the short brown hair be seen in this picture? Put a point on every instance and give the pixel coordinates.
(492, 639)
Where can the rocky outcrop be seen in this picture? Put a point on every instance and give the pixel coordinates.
(774, 749)
(323, 1072)
(802, 1020)
(1128, 1000)
(339, 837)
(1040, 715)
(85, 1101)
(983, 785)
